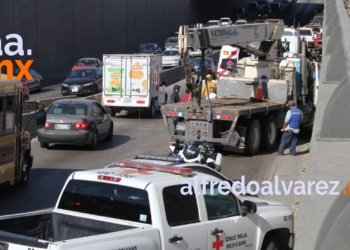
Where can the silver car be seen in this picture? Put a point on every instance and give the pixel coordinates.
(76, 121)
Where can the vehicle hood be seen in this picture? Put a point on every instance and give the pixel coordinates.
(78, 81)
(169, 58)
(260, 202)
(82, 67)
(146, 51)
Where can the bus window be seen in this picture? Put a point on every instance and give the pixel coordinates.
(10, 113)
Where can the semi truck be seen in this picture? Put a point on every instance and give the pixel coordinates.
(152, 206)
(132, 83)
(16, 159)
(251, 104)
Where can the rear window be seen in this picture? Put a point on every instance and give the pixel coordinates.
(288, 33)
(87, 62)
(67, 109)
(104, 199)
(305, 32)
(196, 61)
(172, 40)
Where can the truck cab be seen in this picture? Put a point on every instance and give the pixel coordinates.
(16, 159)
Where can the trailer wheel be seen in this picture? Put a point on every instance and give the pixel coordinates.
(253, 137)
(269, 133)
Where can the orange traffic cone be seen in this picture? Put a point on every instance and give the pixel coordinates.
(260, 93)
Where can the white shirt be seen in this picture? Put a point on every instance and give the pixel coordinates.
(212, 96)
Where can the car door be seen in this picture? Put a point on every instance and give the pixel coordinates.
(100, 120)
(226, 227)
(183, 228)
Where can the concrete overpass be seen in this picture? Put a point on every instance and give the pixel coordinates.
(324, 220)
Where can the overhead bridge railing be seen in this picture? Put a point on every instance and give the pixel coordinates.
(335, 70)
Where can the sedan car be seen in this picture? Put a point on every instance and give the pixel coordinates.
(87, 63)
(209, 64)
(194, 53)
(36, 84)
(76, 121)
(265, 12)
(212, 23)
(171, 58)
(82, 82)
(149, 48)
(172, 43)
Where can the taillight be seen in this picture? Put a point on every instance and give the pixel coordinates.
(82, 125)
(220, 66)
(47, 125)
(189, 68)
(208, 69)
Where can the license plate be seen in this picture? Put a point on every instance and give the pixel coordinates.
(127, 100)
(180, 127)
(75, 89)
(62, 126)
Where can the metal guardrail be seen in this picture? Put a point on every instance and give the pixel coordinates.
(336, 70)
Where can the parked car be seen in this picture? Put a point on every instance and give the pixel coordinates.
(76, 121)
(225, 21)
(82, 82)
(209, 64)
(265, 12)
(171, 43)
(25, 92)
(87, 63)
(212, 23)
(194, 53)
(149, 48)
(171, 58)
(36, 84)
(241, 21)
(275, 7)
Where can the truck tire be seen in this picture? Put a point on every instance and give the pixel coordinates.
(253, 137)
(271, 242)
(151, 112)
(25, 171)
(269, 133)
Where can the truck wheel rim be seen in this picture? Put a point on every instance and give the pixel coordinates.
(271, 133)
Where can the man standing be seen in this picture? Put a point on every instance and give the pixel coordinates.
(175, 98)
(291, 129)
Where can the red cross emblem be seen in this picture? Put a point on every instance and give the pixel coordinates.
(218, 243)
(229, 63)
(135, 172)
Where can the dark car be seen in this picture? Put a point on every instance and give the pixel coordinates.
(149, 48)
(36, 84)
(82, 82)
(76, 121)
(87, 63)
(275, 7)
(265, 12)
(253, 7)
(209, 64)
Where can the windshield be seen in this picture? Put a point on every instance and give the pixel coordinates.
(171, 53)
(86, 62)
(108, 200)
(172, 40)
(82, 74)
(305, 32)
(213, 23)
(147, 47)
(196, 62)
(225, 20)
(67, 109)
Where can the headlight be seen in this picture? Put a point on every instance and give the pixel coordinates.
(64, 85)
(175, 60)
(88, 84)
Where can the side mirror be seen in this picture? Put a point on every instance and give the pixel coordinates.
(40, 118)
(248, 207)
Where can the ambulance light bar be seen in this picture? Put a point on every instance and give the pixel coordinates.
(155, 167)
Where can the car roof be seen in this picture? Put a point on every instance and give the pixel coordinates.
(148, 44)
(171, 50)
(75, 101)
(213, 21)
(89, 58)
(86, 69)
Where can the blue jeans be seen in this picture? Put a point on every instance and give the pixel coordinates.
(288, 137)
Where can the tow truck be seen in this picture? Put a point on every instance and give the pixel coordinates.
(251, 102)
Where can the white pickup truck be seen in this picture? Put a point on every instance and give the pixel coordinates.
(142, 205)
